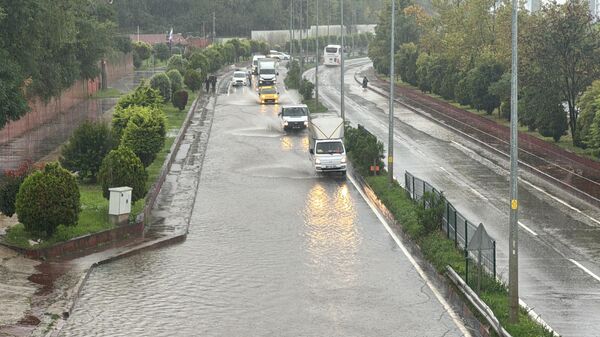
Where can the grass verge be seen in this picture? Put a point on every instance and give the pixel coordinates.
(107, 93)
(312, 106)
(441, 252)
(94, 207)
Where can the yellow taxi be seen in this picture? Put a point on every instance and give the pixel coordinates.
(268, 95)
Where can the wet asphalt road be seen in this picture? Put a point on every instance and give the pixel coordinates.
(273, 250)
(559, 239)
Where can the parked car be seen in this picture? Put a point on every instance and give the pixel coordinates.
(274, 54)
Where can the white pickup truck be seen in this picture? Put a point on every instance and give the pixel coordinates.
(326, 142)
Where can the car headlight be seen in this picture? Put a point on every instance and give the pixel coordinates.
(305, 123)
(317, 161)
(343, 159)
(285, 123)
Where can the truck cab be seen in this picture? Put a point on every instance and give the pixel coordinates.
(294, 116)
(267, 72)
(326, 142)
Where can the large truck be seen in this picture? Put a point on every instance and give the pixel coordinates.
(326, 142)
(267, 72)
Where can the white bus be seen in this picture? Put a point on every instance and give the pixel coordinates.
(332, 55)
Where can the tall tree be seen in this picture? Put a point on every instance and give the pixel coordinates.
(562, 51)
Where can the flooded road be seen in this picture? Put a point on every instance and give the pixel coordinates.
(559, 249)
(273, 250)
(41, 141)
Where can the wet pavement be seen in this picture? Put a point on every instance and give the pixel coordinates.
(273, 250)
(558, 235)
(45, 139)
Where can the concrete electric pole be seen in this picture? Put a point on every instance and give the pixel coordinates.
(391, 113)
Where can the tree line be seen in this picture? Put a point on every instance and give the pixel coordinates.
(46, 45)
(463, 53)
(237, 18)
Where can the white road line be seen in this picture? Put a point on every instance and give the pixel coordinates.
(527, 229)
(560, 201)
(585, 270)
(420, 271)
(478, 194)
(443, 169)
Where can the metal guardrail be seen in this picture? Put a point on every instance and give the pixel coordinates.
(454, 224)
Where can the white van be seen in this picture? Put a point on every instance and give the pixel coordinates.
(255, 59)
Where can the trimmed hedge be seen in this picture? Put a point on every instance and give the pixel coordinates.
(176, 80)
(162, 83)
(47, 199)
(180, 99)
(10, 182)
(121, 167)
(145, 133)
(86, 148)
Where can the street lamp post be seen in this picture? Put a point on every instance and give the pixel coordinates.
(342, 107)
(317, 61)
(513, 240)
(391, 113)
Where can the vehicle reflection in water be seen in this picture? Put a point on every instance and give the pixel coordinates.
(269, 109)
(294, 142)
(332, 238)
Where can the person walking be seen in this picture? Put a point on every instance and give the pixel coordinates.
(213, 82)
(207, 83)
(365, 81)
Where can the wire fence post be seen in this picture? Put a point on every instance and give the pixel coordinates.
(494, 260)
(455, 230)
(447, 219)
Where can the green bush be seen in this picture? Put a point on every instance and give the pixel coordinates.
(430, 212)
(180, 99)
(161, 51)
(137, 61)
(145, 133)
(47, 199)
(363, 149)
(193, 79)
(199, 62)
(177, 62)
(86, 148)
(142, 49)
(176, 80)
(306, 89)
(121, 167)
(294, 75)
(142, 96)
(10, 181)
(162, 83)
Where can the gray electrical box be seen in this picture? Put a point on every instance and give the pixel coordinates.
(119, 205)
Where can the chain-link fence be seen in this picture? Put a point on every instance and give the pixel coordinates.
(458, 229)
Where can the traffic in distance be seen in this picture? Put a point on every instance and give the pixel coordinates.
(325, 130)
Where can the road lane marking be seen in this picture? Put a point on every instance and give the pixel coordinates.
(420, 271)
(560, 201)
(585, 270)
(443, 169)
(478, 194)
(527, 229)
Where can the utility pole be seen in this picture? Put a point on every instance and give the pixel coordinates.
(317, 61)
(301, 36)
(291, 28)
(513, 240)
(328, 19)
(392, 84)
(342, 107)
(214, 34)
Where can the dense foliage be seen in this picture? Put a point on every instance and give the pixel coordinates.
(363, 149)
(162, 83)
(180, 99)
(145, 133)
(176, 80)
(463, 54)
(47, 199)
(143, 95)
(293, 79)
(86, 148)
(10, 182)
(45, 46)
(121, 167)
(193, 80)
(189, 15)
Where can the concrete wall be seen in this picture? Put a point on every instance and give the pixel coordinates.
(282, 36)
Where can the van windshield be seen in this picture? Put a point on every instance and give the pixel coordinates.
(331, 50)
(267, 71)
(329, 147)
(295, 112)
(239, 74)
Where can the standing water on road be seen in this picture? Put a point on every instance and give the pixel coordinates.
(273, 250)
